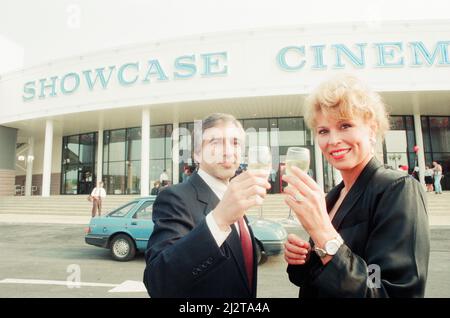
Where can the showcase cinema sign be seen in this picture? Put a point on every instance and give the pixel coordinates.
(184, 67)
(293, 58)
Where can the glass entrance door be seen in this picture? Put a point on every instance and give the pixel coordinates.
(78, 164)
(398, 144)
(85, 180)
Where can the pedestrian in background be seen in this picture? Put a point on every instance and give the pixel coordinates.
(164, 178)
(97, 195)
(437, 177)
(155, 189)
(429, 178)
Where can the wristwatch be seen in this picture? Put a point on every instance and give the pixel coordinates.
(331, 247)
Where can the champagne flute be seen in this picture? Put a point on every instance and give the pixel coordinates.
(296, 157)
(260, 160)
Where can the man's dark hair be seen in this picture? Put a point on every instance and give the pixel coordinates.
(210, 121)
(213, 119)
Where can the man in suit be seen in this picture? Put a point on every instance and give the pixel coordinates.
(201, 245)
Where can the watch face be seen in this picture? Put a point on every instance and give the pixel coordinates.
(332, 247)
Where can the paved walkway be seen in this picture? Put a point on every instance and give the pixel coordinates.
(43, 219)
(84, 220)
(439, 215)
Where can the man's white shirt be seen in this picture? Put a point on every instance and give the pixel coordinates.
(98, 192)
(219, 188)
(163, 177)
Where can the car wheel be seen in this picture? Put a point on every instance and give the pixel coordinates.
(122, 248)
(260, 255)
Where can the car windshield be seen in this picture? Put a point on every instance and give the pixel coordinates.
(145, 211)
(123, 210)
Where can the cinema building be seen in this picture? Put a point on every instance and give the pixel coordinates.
(125, 114)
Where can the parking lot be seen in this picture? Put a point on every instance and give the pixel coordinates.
(51, 260)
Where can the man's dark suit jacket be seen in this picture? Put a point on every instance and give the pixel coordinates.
(183, 259)
(384, 224)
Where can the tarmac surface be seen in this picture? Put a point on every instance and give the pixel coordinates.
(52, 260)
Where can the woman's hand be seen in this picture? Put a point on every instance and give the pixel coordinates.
(296, 250)
(309, 207)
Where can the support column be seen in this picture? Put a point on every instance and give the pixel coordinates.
(47, 169)
(419, 142)
(175, 153)
(29, 160)
(8, 140)
(145, 153)
(319, 163)
(99, 156)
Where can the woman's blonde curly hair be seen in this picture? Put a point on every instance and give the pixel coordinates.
(345, 97)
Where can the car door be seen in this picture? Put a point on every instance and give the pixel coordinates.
(141, 225)
(117, 220)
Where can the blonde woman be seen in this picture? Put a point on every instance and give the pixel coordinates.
(369, 235)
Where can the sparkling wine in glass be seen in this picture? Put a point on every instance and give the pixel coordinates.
(260, 160)
(296, 157)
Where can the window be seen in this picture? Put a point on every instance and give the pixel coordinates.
(134, 144)
(133, 175)
(71, 149)
(78, 164)
(116, 143)
(87, 148)
(145, 211)
(257, 132)
(122, 157)
(116, 177)
(123, 210)
(186, 147)
(133, 162)
(436, 139)
(160, 151)
(440, 134)
(399, 143)
(70, 179)
(292, 131)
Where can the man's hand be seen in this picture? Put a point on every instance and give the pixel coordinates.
(244, 191)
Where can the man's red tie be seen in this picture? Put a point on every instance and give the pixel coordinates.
(247, 250)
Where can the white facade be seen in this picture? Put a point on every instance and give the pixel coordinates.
(256, 73)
